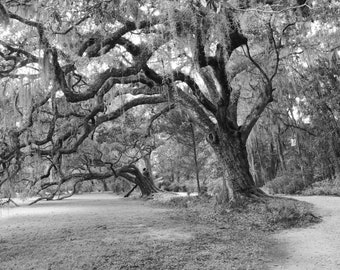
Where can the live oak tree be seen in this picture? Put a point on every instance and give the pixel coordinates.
(71, 67)
(126, 142)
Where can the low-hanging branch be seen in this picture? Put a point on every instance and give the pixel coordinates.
(130, 173)
(155, 99)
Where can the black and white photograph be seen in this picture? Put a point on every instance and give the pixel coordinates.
(169, 135)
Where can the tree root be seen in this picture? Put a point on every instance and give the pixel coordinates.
(250, 195)
(256, 194)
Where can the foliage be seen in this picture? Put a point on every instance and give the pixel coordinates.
(289, 213)
(301, 138)
(326, 187)
(270, 215)
(286, 184)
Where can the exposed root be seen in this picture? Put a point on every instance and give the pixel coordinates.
(240, 198)
(256, 194)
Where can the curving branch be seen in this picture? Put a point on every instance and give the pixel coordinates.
(156, 99)
(187, 101)
(165, 110)
(194, 87)
(260, 104)
(25, 21)
(73, 26)
(266, 95)
(93, 46)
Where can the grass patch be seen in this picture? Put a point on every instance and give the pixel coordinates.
(273, 214)
(288, 213)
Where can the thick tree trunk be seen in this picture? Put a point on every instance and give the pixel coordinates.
(133, 174)
(232, 154)
(146, 185)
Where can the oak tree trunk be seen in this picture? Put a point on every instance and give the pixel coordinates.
(133, 174)
(146, 185)
(232, 154)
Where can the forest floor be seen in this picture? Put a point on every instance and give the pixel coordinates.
(104, 231)
(316, 247)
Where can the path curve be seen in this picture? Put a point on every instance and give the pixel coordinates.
(316, 247)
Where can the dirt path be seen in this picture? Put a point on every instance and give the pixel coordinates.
(316, 247)
(74, 233)
(105, 232)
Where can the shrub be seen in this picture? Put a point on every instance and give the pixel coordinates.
(164, 185)
(273, 214)
(176, 187)
(288, 213)
(175, 201)
(286, 184)
(325, 187)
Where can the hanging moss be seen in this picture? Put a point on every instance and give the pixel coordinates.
(4, 17)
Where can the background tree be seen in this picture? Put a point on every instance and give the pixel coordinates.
(185, 147)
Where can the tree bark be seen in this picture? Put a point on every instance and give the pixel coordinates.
(232, 154)
(147, 162)
(197, 171)
(146, 185)
(133, 174)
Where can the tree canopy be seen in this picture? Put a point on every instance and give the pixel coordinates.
(84, 82)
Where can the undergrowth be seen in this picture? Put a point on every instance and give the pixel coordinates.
(286, 184)
(325, 187)
(244, 229)
(273, 214)
(292, 184)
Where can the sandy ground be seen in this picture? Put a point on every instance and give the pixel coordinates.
(316, 247)
(105, 232)
(66, 234)
(85, 231)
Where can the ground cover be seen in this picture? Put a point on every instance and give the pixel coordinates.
(103, 231)
(329, 187)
